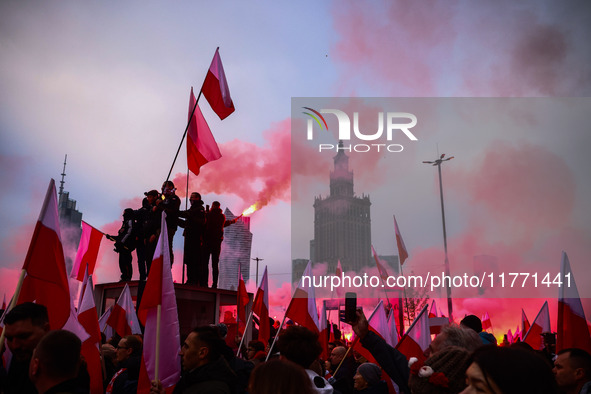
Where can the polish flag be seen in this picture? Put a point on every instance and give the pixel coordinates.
(88, 249)
(572, 326)
(486, 324)
(524, 322)
(510, 336)
(158, 313)
(433, 310)
(104, 327)
(46, 280)
(242, 300)
(417, 338)
(517, 335)
(201, 146)
(302, 308)
(88, 318)
(215, 88)
(540, 325)
(381, 269)
(123, 318)
(402, 252)
(394, 337)
(260, 307)
(378, 323)
(324, 328)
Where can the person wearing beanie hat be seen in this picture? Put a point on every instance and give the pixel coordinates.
(368, 380)
(443, 372)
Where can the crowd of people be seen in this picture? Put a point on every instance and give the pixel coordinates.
(203, 232)
(459, 360)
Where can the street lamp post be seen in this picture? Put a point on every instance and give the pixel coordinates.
(257, 260)
(448, 287)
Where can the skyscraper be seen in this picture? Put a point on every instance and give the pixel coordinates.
(236, 249)
(342, 222)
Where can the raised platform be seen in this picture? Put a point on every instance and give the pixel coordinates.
(196, 306)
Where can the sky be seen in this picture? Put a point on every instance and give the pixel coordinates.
(108, 84)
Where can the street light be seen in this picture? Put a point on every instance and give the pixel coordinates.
(448, 288)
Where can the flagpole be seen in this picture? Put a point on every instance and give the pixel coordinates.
(412, 325)
(188, 123)
(17, 292)
(275, 338)
(245, 328)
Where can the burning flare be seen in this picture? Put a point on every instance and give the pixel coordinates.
(250, 210)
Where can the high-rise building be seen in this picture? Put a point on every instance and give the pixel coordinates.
(342, 222)
(236, 249)
(70, 222)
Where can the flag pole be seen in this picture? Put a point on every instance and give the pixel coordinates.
(275, 338)
(17, 292)
(245, 328)
(188, 123)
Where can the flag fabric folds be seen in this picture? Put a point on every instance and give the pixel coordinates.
(260, 307)
(46, 281)
(540, 325)
(324, 335)
(88, 249)
(402, 252)
(242, 300)
(572, 330)
(393, 329)
(103, 326)
(201, 146)
(417, 338)
(123, 318)
(381, 269)
(88, 318)
(302, 308)
(215, 88)
(486, 323)
(158, 314)
(524, 322)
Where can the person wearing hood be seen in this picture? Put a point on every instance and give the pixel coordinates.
(368, 380)
(474, 322)
(193, 221)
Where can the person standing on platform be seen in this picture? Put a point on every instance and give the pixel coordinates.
(125, 244)
(193, 221)
(214, 235)
(170, 204)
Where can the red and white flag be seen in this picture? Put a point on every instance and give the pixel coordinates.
(104, 327)
(540, 325)
(381, 269)
(324, 335)
(302, 308)
(486, 323)
(417, 338)
(433, 310)
(242, 299)
(524, 322)
(88, 318)
(394, 337)
(510, 336)
(158, 313)
(517, 335)
(402, 252)
(123, 318)
(46, 281)
(378, 323)
(260, 307)
(572, 328)
(88, 249)
(215, 88)
(201, 146)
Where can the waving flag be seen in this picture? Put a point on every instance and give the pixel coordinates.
(242, 300)
(572, 326)
(381, 269)
(324, 335)
(88, 318)
(540, 325)
(158, 313)
(402, 252)
(302, 308)
(123, 318)
(88, 249)
(46, 280)
(215, 88)
(417, 338)
(201, 146)
(486, 323)
(260, 307)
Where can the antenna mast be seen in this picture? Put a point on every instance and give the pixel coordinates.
(63, 176)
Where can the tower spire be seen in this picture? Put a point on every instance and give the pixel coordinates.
(63, 176)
